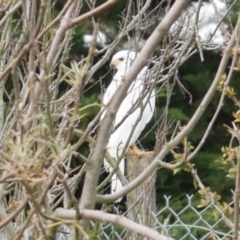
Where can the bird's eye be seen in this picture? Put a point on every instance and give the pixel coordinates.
(121, 59)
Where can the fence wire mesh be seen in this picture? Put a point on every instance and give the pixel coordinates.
(188, 222)
(191, 222)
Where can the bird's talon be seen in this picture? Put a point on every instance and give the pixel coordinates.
(136, 151)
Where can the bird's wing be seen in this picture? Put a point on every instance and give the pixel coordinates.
(134, 113)
(132, 125)
(110, 92)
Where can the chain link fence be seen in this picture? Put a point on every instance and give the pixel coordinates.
(188, 222)
(193, 223)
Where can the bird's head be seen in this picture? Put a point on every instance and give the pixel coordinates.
(122, 60)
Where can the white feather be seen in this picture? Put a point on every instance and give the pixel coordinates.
(137, 118)
(101, 39)
(207, 23)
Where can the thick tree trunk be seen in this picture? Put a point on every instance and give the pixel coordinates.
(141, 202)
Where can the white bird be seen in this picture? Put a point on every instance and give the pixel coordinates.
(210, 33)
(101, 39)
(134, 113)
(208, 23)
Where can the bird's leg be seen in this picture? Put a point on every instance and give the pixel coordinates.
(135, 151)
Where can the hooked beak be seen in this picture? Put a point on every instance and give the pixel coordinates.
(113, 64)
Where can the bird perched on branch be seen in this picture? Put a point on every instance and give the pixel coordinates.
(134, 113)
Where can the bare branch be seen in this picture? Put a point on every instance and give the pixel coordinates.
(9, 13)
(108, 4)
(111, 218)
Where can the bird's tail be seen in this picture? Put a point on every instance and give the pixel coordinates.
(116, 184)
